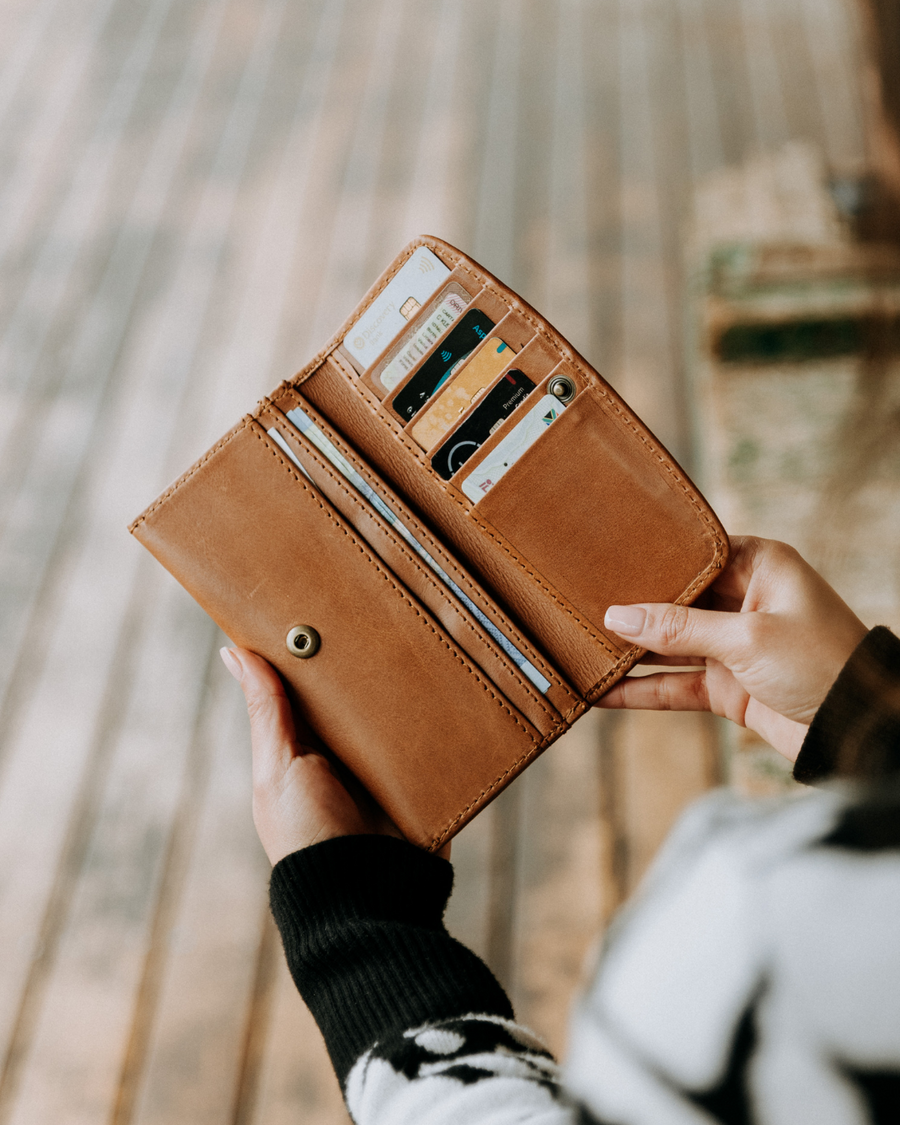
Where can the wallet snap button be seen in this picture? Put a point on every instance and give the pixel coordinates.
(303, 641)
(562, 388)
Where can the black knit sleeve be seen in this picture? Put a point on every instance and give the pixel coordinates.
(361, 919)
(856, 731)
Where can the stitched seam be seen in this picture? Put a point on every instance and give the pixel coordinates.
(532, 752)
(401, 593)
(513, 672)
(172, 489)
(441, 553)
(503, 546)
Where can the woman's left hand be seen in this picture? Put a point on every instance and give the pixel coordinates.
(298, 798)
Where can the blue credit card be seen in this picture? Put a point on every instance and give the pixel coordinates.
(460, 341)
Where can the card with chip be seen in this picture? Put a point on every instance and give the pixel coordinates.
(412, 285)
(496, 406)
(460, 392)
(507, 452)
(431, 323)
(460, 341)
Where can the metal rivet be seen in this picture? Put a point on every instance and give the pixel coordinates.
(562, 388)
(303, 641)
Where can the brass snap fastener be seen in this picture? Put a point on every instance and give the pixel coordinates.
(303, 641)
(562, 388)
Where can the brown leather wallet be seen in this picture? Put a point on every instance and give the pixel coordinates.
(435, 670)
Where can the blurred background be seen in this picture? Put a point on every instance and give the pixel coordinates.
(701, 194)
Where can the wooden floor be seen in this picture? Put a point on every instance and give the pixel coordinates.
(192, 196)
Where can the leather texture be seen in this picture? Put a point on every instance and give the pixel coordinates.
(408, 690)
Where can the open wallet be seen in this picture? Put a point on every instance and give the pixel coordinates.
(422, 531)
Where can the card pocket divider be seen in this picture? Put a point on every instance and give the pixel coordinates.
(509, 423)
(584, 656)
(487, 302)
(534, 360)
(370, 376)
(412, 571)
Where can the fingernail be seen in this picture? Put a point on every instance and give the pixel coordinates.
(232, 663)
(627, 619)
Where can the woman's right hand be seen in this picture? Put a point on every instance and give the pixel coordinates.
(767, 652)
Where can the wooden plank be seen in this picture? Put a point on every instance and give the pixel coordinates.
(72, 1026)
(296, 1081)
(188, 1035)
(434, 203)
(49, 473)
(649, 327)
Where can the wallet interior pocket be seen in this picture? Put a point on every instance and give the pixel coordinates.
(627, 531)
(260, 548)
(426, 570)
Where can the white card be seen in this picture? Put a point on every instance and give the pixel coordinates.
(409, 289)
(535, 423)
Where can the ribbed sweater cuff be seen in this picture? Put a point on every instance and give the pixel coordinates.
(856, 731)
(361, 922)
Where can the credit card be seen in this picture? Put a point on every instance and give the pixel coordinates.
(313, 434)
(462, 339)
(414, 344)
(399, 301)
(495, 407)
(524, 434)
(458, 394)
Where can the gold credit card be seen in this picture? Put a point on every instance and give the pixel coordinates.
(464, 388)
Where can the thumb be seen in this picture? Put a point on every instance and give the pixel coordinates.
(677, 630)
(273, 735)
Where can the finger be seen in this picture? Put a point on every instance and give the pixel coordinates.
(663, 691)
(677, 630)
(655, 658)
(273, 736)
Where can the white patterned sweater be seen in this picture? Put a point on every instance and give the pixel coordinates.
(755, 977)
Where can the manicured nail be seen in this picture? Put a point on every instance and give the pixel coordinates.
(232, 663)
(626, 619)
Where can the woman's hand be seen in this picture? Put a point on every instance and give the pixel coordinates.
(769, 649)
(298, 798)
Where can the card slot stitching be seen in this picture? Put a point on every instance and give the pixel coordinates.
(417, 366)
(386, 359)
(468, 411)
(439, 550)
(506, 427)
(270, 446)
(538, 579)
(596, 384)
(510, 669)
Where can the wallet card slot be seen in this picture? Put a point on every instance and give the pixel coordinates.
(628, 529)
(484, 452)
(584, 657)
(559, 694)
(517, 683)
(534, 361)
(479, 321)
(402, 706)
(428, 323)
